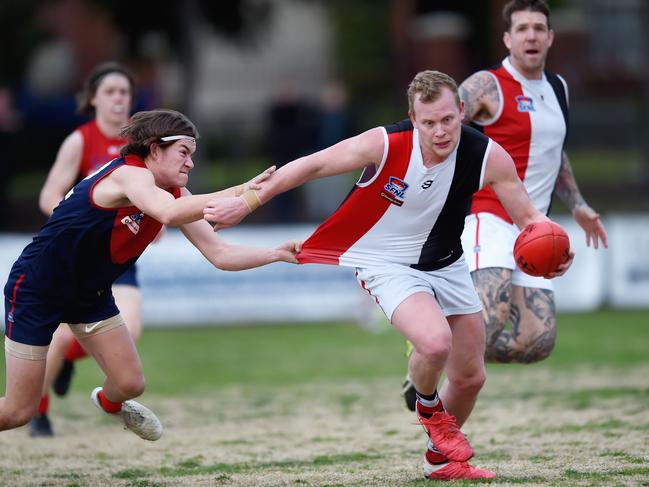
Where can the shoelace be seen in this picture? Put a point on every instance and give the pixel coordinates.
(445, 423)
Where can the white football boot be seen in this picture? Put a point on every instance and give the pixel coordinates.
(135, 417)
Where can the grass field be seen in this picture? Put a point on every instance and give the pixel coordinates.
(319, 405)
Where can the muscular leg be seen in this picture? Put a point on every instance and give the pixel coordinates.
(129, 302)
(533, 338)
(465, 371)
(115, 353)
(24, 382)
(494, 287)
(530, 311)
(420, 319)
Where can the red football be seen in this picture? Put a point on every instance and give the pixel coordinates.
(541, 247)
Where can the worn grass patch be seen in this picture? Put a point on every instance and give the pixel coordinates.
(330, 414)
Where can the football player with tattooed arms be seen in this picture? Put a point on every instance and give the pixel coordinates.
(525, 109)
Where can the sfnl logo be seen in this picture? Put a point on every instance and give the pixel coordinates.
(395, 191)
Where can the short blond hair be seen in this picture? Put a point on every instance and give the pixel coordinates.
(429, 85)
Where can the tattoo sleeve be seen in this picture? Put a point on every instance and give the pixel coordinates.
(480, 96)
(566, 187)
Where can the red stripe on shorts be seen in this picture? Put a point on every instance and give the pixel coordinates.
(368, 291)
(476, 249)
(13, 304)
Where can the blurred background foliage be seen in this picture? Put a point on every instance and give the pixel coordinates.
(259, 77)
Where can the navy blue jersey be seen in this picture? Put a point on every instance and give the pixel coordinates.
(84, 247)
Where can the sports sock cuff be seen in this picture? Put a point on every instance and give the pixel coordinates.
(428, 397)
(431, 403)
(44, 405)
(426, 408)
(109, 406)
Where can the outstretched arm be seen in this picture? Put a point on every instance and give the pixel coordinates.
(350, 154)
(136, 186)
(584, 215)
(481, 97)
(230, 257)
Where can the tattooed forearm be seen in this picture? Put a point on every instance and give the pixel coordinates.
(480, 96)
(566, 187)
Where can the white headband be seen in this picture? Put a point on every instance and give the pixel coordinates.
(178, 137)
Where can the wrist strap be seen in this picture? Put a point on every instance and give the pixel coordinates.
(251, 198)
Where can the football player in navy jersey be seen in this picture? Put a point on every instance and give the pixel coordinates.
(100, 229)
(107, 96)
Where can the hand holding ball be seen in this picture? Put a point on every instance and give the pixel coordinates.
(541, 247)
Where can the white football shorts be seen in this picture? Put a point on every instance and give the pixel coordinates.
(488, 241)
(391, 284)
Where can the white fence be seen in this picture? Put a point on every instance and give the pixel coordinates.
(180, 287)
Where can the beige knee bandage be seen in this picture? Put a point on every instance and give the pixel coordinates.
(25, 352)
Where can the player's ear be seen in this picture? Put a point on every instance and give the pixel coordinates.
(507, 40)
(550, 37)
(154, 149)
(411, 116)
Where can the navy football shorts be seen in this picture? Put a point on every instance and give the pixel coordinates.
(32, 320)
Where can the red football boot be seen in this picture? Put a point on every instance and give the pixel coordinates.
(456, 471)
(442, 429)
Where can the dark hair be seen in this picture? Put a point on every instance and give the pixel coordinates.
(520, 5)
(145, 128)
(429, 85)
(92, 82)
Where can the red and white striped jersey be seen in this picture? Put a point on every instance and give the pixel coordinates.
(531, 126)
(402, 212)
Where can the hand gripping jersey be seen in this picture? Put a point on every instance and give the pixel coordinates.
(97, 148)
(403, 212)
(83, 247)
(531, 126)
